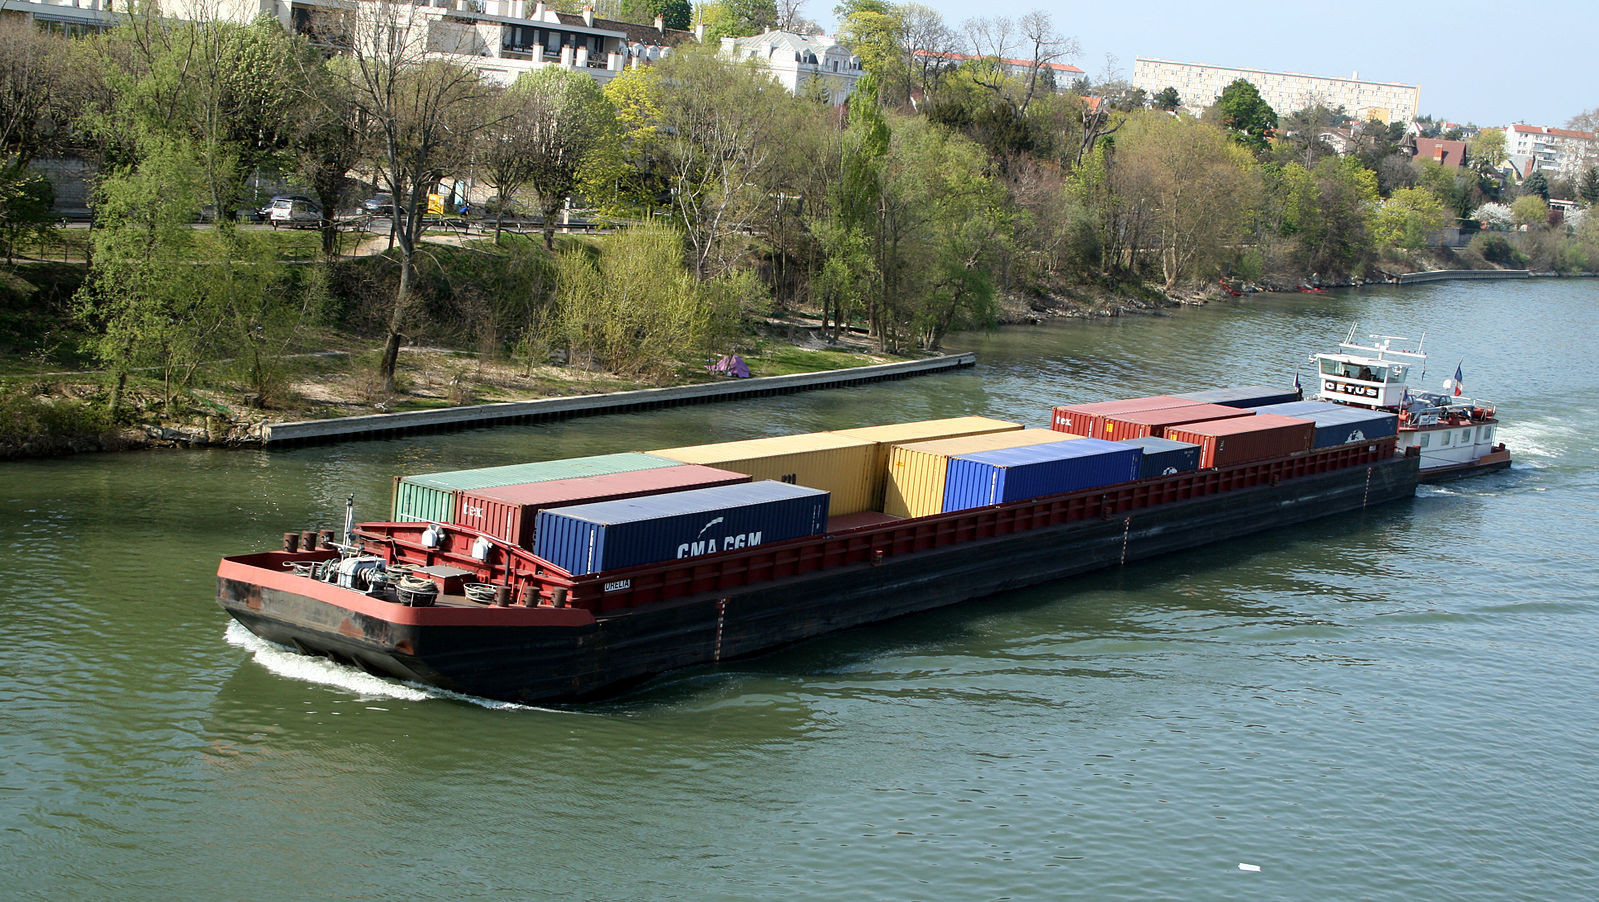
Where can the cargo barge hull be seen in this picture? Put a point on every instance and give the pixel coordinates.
(543, 653)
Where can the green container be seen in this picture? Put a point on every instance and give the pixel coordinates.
(430, 498)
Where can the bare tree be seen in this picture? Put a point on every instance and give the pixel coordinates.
(930, 45)
(422, 111)
(567, 115)
(1032, 41)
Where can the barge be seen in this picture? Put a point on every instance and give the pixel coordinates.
(459, 608)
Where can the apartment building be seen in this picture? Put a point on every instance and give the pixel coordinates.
(1199, 85)
(1560, 152)
(801, 62)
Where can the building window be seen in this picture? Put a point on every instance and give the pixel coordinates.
(1426, 439)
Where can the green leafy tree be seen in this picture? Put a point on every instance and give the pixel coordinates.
(1530, 210)
(1485, 152)
(1167, 99)
(677, 13)
(563, 116)
(1407, 217)
(1241, 110)
(741, 18)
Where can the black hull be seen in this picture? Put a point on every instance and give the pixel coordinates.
(541, 664)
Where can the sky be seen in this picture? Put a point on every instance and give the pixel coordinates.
(1491, 64)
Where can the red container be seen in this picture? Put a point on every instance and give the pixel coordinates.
(1089, 419)
(1241, 440)
(1154, 423)
(508, 512)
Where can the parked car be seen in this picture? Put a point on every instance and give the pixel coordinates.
(266, 210)
(291, 212)
(378, 205)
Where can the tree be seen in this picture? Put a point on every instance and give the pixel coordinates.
(422, 110)
(1167, 99)
(741, 18)
(1485, 152)
(1536, 184)
(1196, 191)
(1588, 186)
(1241, 110)
(1530, 210)
(1407, 217)
(676, 13)
(566, 118)
(332, 139)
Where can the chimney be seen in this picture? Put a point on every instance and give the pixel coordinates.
(588, 15)
(660, 24)
(538, 11)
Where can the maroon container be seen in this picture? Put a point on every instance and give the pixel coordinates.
(508, 512)
(1263, 436)
(1154, 423)
(1089, 419)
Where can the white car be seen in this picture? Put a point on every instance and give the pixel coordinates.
(293, 212)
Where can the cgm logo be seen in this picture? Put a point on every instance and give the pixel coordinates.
(702, 545)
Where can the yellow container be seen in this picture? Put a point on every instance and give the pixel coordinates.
(819, 460)
(886, 438)
(915, 482)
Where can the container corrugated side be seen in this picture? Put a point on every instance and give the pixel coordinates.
(820, 460)
(1339, 424)
(1017, 474)
(914, 485)
(1155, 422)
(1244, 395)
(887, 437)
(430, 497)
(592, 538)
(508, 512)
(1165, 457)
(1089, 419)
(1260, 437)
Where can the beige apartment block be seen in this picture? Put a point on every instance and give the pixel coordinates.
(1199, 85)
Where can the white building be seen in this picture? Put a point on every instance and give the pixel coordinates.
(799, 60)
(1199, 85)
(500, 38)
(1556, 151)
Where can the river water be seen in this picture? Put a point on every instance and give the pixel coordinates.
(1393, 705)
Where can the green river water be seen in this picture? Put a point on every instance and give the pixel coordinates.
(1394, 705)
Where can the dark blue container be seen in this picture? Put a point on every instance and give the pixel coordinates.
(1338, 424)
(1164, 456)
(1244, 396)
(590, 538)
(1016, 474)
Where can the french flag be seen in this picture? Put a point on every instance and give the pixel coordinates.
(1458, 378)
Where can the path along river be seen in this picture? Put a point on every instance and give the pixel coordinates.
(1395, 705)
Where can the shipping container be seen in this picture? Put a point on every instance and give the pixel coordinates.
(1223, 443)
(1339, 424)
(591, 538)
(508, 512)
(430, 498)
(914, 486)
(1017, 474)
(1089, 419)
(886, 438)
(1165, 457)
(819, 460)
(1244, 396)
(1145, 423)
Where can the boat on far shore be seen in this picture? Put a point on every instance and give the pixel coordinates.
(1455, 435)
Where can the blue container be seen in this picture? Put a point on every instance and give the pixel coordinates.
(1164, 456)
(1244, 396)
(607, 535)
(1338, 424)
(1016, 474)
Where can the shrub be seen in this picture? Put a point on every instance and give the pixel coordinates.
(1496, 249)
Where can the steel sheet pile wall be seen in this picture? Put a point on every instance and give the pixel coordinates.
(430, 498)
(1339, 424)
(592, 538)
(1155, 422)
(508, 512)
(1244, 396)
(1165, 457)
(887, 438)
(1223, 443)
(916, 472)
(1017, 474)
(1089, 419)
(820, 460)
